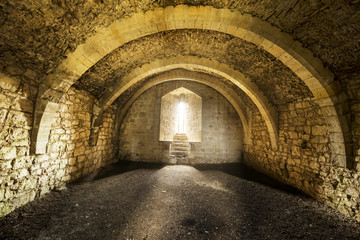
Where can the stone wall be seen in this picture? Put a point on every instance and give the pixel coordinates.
(304, 157)
(70, 135)
(24, 177)
(18, 180)
(352, 87)
(221, 128)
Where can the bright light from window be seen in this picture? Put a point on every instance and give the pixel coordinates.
(181, 117)
(181, 112)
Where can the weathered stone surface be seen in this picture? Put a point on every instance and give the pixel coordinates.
(221, 128)
(37, 175)
(352, 192)
(9, 83)
(327, 28)
(5, 101)
(8, 153)
(319, 130)
(306, 163)
(265, 70)
(37, 36)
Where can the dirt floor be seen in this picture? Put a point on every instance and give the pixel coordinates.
(149, 201)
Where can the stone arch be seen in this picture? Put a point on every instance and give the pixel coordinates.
(221, 126)
(281, 45)
(194, 63)
(244, 26)
(42, 123)
(172, 75)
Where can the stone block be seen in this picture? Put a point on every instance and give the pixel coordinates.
(59, 174)
(5, 101)
(79, 151)
(4, 165)
(2, 193)
(322, 159)
(21, 119)
(30, 74)
(72, 161)
(72, 169)
(45, 165)
(319, 130)
(20, 133)
(293, 135)
(66, 178)
(21, 143)
(9, 83)
(22, 173)
(295, 151)
(3, 113)
(80, 159)
(19, 163)
(57, 147)
(64, 137)
(57, 131)
(319, 139)
(314, 165)
(29, 184)
(306, 137)
(44, 190)
(352, 192)
(8, 152)
(357, 167)
(42, 158)
(66, 124)
(22, 151)
(35, 172)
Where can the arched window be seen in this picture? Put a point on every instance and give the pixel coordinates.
(181, 111)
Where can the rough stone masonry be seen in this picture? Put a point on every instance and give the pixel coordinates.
(282, 80)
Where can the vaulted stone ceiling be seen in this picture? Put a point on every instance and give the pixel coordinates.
(278, 82)
(261, 55)
(37, 35)
(226, 84)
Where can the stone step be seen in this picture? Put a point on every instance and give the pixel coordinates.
(180, 143)
(180, 146)
(180, 140)
(180, 134)
(180, 137)
(176, 146)
(180, 149)
(180, 153)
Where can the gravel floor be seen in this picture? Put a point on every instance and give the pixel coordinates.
(149, 201)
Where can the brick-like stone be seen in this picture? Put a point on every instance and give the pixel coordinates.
(7, 153)
(9, 83)
(221, 134)
(281, 83)
(319, 130)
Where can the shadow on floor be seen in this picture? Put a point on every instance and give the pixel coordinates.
(129, 200)
(235, 169)
(117, 169)
(244, 172)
